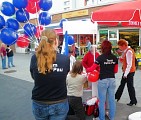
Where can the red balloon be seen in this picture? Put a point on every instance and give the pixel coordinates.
(93, 76)
(33, 7)
(23, 41)
(33, 0)
(39, 31)
(40, 27)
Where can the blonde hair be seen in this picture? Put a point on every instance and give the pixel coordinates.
(46, 54)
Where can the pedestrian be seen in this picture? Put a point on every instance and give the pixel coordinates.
(88, 58)
(72, 58)
(88, 43)
(49, 70)
(75, 82)
(3, 55)
(10, 55)
(128, 68)
(106, 84)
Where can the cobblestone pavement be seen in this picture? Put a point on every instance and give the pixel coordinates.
(16, 85)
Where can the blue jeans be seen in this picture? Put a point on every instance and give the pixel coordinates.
(107, 86)
(3, 62)
(10, 61)
(56, 111)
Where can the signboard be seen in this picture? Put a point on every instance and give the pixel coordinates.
(75, 14)
(80, 27)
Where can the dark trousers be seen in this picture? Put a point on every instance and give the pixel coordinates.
(130, 86)
(76, 107)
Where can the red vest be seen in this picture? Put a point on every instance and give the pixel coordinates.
(124, 64)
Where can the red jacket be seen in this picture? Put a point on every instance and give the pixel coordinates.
(88, 59)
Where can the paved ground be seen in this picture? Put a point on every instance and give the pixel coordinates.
(16, 85)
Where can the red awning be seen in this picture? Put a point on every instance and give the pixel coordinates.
(126, 13)
(58, 31)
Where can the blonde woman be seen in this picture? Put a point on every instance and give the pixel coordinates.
(49, 70)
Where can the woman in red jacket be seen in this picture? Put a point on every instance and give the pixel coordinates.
(88, 58)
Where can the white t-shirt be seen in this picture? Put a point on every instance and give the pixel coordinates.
(72, 60)
(75, 85)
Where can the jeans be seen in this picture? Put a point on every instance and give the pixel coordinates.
(10, 61)
(56, 111)
(107, 87)
(3, 62)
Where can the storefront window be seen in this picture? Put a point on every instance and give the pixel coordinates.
(103, 35)
(113, 37)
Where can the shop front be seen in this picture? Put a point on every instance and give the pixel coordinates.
(119, 21)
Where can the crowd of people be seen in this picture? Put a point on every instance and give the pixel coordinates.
(58, 79)
(58, 83)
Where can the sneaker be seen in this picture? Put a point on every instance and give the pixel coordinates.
(13, 65)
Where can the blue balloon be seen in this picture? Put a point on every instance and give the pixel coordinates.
(70, 40)
(8, 36)
(12, 23)
(20, 3)
(61, 22)
(45, 5)
(29, 29)
(8, 9)
(2, 22)
(44, 18)
(22, 16)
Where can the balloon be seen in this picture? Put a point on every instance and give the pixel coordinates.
(22, 16)
(70, 40)
(45, 5)
(61, 22)
(22, 41)
(39, 30)
(12, 23)
(29, 29)
(20, 3)
(33, 7)
(44, 18)
(8, 36)
(93, 76)
(2, 22)
(8, 9)
(33, 0)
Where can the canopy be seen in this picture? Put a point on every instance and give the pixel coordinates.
(79, 27)
(125, 13)
(59, 31)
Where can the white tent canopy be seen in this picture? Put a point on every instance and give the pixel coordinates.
(80, 27)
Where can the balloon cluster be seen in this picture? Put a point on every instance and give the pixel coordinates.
(22, 9)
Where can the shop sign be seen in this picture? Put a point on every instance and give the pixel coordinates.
(135, 21)
(75, 14)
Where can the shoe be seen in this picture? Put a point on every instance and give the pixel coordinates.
(13, 65)
(117, 100)
(131, 104)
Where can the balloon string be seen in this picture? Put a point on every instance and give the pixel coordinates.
(29, 25)
(26, 31)
(37, 14)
